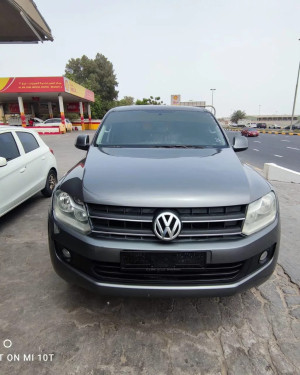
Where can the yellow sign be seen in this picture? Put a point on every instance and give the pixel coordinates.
(175, 99)
(3, 82)
(75, 89)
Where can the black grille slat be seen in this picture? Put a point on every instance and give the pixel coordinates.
(136, 222)
(210, 231)
(112, 272)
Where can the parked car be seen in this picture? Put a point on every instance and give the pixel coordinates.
(274, 126)
(27, 166)
(57, 122)
(250, 132)
(261, 125)
(251, 125)
(35, 121)
(294, 127)
(161, 205)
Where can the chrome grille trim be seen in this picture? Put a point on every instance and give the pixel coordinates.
(150, 220)
(212, 220)
(136, 223)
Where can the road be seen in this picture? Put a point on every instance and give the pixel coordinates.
(283, 150)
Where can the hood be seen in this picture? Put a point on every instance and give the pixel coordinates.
(168, 177)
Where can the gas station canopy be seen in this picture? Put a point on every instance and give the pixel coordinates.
(28, 95)
(21, 22)
(44, 88)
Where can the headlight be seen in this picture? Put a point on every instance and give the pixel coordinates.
(69, 212)
(260, 213)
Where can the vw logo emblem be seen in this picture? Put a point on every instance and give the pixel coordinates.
(167, 226)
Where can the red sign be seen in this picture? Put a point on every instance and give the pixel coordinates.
(18, 85)
(32, 84)
(13, 108)
(74, 107)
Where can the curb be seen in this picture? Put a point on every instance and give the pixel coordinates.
(264, 131)
(274, 172)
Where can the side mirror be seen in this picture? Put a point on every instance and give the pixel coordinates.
(3, 162)
(83, 142)
(239, 143)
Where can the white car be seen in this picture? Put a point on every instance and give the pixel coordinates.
(274, 126)
(67, 127)
(27, 166)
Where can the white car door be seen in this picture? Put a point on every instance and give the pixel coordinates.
(36, 161)
(12, 189)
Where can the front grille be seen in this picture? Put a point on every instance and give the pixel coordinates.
(136, 223)
(189, 274)
(216, 273)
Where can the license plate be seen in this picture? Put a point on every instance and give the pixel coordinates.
(162, 260)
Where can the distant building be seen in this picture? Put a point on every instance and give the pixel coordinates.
(193, 104)
(281, 120)
(176, 100)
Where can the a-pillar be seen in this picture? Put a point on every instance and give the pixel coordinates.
(61, 109)
(2, 117)
(81, 115)
(50, 110)
(90, 115)
(22, 112)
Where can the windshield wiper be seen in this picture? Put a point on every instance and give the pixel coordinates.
(152, 146)
(114, 146)
(176, 146)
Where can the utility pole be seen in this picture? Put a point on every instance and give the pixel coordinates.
(212, 96)
(295, 97)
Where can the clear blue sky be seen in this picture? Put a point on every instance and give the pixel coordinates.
(248, 50)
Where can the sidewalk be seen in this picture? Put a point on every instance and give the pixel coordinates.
(289, 201)
(289, 204)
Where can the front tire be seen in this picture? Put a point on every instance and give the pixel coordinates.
(50, 183)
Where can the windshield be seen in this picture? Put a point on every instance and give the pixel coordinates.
(53, 121)
(160, 128)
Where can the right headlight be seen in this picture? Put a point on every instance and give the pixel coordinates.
(260, 213)
(69, 212)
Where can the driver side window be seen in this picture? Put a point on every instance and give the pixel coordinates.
(8, 147)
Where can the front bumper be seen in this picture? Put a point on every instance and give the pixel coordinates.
(246, 250)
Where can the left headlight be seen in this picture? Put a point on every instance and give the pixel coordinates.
(69, 212)
(260, 214)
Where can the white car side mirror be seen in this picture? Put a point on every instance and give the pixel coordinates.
(3, 162)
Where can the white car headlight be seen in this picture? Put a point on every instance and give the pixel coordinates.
(260, 213)
(69, 212)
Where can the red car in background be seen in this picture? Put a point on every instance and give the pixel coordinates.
(250, 132)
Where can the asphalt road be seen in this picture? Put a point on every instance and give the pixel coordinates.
(283, 150)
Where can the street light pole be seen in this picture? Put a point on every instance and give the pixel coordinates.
(295, 96)
(212, 96)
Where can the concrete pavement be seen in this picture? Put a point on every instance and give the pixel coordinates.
(62, 329)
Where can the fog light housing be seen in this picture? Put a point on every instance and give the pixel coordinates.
(66, 254)
(263, 256)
